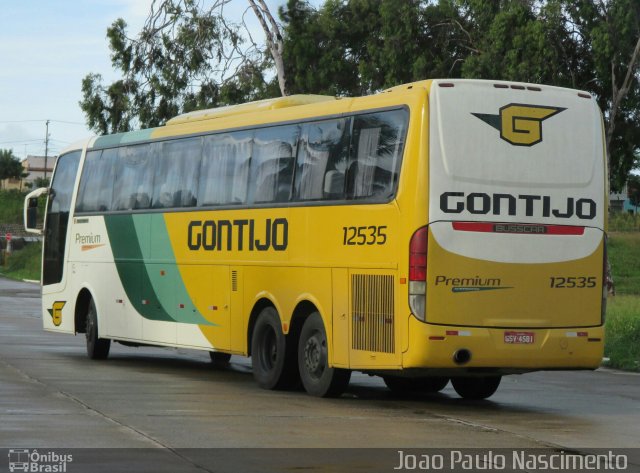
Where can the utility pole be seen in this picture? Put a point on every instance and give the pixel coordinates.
(46, 149)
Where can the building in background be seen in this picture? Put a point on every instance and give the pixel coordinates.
(621, 202)
(35, 166)
(617, 200)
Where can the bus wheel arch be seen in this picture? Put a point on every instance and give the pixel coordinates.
(81, 310)
(258, 307)
(302, 311)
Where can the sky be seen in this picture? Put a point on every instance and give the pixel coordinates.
(46, 48)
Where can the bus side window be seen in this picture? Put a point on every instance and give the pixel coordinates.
(225, 169)
(134, 177)
(322, 160)
(176, 173)
(378, 140)
(272, 164)
(96, 185)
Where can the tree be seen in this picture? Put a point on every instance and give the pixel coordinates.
(362, 46)
(611, 32)
(10, 166)
(586, 44)
(187, 56)
(41, 182)
(524, 41)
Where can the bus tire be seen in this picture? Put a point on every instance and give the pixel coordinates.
(219, 359)
(476, 388)
(427, 384)
(317, 377)
(273, 365)
(97, 348)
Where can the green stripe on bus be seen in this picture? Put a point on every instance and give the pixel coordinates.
(109, 141)
(154, 286)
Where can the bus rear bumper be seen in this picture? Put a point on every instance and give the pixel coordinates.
(515, 350)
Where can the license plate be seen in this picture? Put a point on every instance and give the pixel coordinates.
(519, 337)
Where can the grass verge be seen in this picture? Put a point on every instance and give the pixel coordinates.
(624, 222)
(624, 257)
(622, 340)
(23, 264)
(11, 206)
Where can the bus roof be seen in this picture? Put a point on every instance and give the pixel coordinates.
(250, 107)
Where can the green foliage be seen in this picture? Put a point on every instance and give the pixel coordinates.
(10, 166)
(609, 32)
(622, 332)
(24, 264)
(624, 222)
(181, 59)
(178, 67)
(41, 182)
(522, 41)
(11, 206)
(624, 257)
(362, 46)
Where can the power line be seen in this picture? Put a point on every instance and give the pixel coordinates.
(20, 121)
(21, 141)
(36, 121)
(69, 123)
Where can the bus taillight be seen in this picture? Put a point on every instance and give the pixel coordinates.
(418, 272)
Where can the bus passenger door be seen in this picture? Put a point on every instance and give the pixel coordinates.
(54, 273)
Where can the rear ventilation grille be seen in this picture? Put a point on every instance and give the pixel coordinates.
(372, 313)
(234, 281)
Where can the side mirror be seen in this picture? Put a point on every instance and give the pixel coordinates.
(32, 213)
(31, 210)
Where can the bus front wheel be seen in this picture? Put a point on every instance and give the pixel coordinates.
(272, 359)
(476, 388)
(317, 377)
(97, 348)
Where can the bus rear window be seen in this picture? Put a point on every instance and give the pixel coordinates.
(377, 145)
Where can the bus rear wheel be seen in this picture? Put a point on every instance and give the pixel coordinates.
(476, 388)
(273, 361)
(97, 348)
(317, 377)
(430, 384)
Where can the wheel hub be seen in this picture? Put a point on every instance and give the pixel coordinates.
(313, 356)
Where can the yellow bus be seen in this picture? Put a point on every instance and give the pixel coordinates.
(444, 230)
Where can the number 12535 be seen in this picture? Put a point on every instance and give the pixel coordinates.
(578, 282)
(369, 235)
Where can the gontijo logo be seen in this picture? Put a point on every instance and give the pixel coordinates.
(56, 312)
(520, 124)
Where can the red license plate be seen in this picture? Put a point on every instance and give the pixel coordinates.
(519, 337)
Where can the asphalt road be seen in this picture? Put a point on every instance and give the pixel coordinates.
(52, 396)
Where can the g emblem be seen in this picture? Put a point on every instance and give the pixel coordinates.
(520, 124)
(56, 312)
